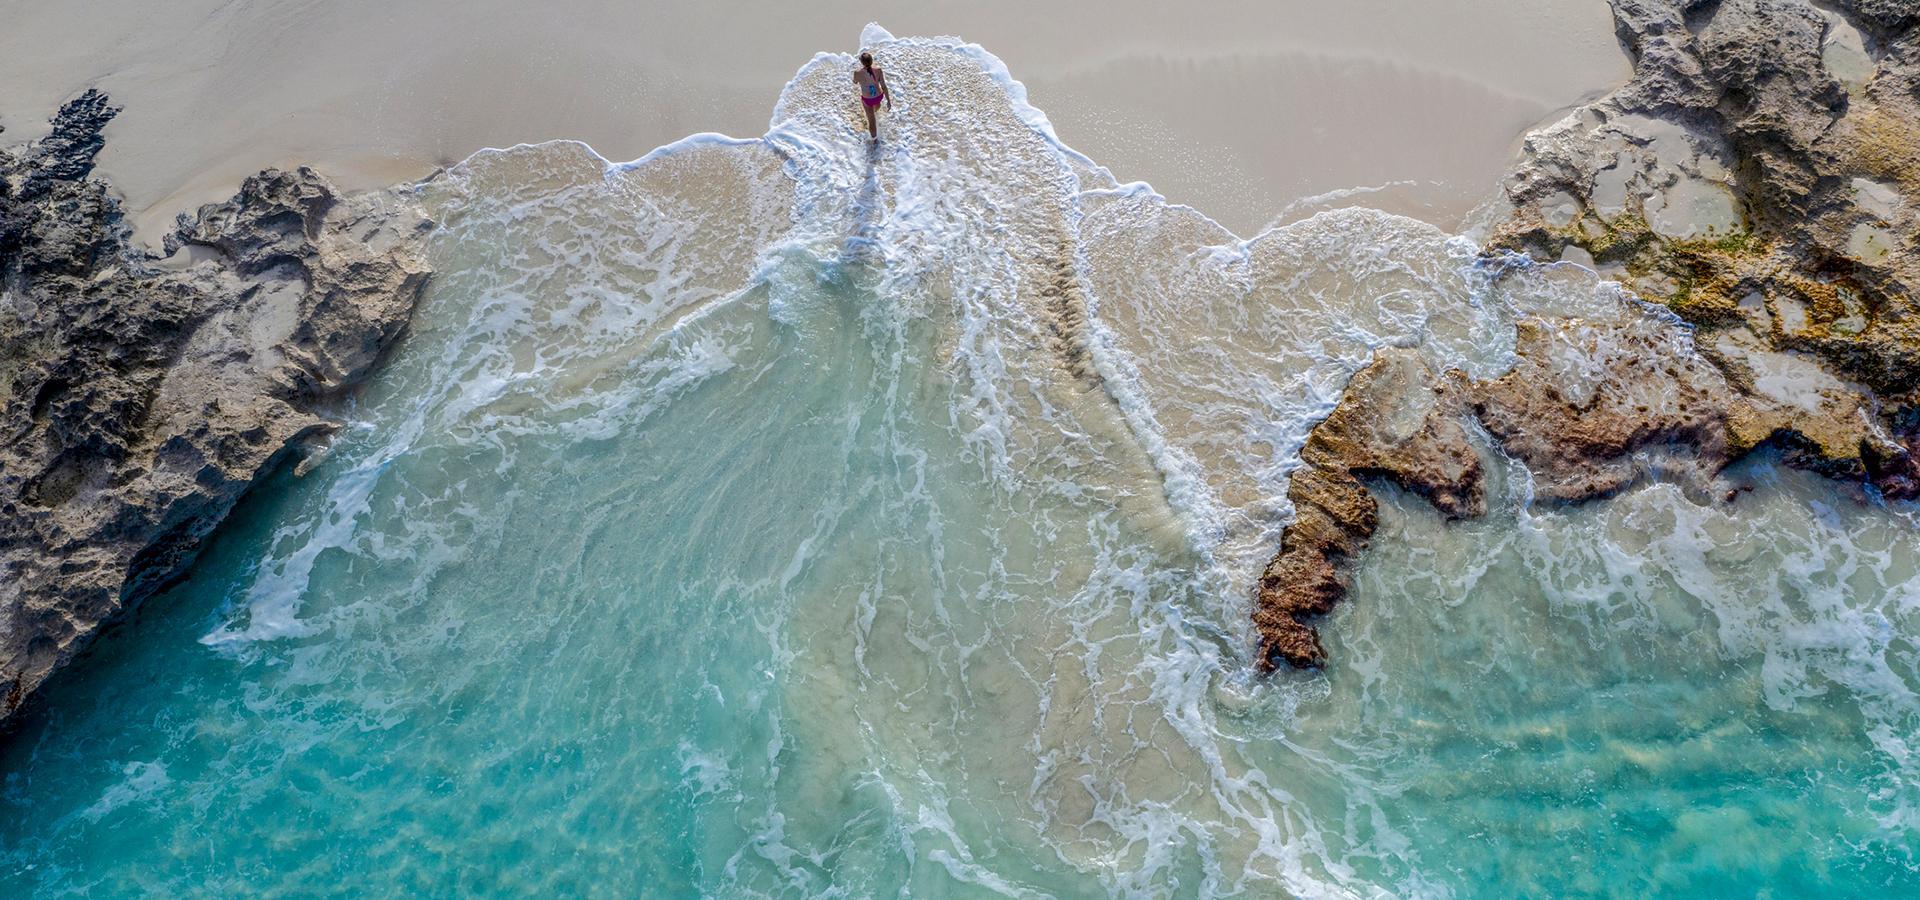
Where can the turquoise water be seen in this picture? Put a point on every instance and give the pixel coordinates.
(784, 518)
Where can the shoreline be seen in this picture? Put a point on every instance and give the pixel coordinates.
(789, 513)
(1325, 99)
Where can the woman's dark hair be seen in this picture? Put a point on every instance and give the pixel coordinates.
(866, 60)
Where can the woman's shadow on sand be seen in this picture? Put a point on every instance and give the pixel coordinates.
(862, 244)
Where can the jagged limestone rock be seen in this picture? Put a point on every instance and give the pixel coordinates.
(1759, 176)
(1397, 421)
(141, 396)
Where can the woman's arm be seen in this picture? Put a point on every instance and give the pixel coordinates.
(884, 90)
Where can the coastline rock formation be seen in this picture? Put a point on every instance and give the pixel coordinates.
(140, 396)
(1759, 178)
(1396, 421)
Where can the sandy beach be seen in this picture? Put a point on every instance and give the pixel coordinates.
(1350, 448)
(1246, 110)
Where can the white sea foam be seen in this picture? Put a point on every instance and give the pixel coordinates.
(144, 780)
(1034, 432)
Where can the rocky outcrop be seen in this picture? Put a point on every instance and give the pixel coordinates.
(1759, 177)
(1397, 421)
(143, 395)
(1589, 408)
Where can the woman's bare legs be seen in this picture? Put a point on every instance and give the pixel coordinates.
(873, 128)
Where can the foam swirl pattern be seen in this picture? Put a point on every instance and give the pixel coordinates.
(784, 517)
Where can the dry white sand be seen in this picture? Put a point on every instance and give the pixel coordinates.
(1242, 109)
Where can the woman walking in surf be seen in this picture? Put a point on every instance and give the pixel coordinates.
(872, 83)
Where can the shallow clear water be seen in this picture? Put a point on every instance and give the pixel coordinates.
(787, 518)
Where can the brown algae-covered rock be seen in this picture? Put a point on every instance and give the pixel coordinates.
(1759, 176)
(1396, 421)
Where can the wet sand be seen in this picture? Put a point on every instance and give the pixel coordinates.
(1246, 110)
